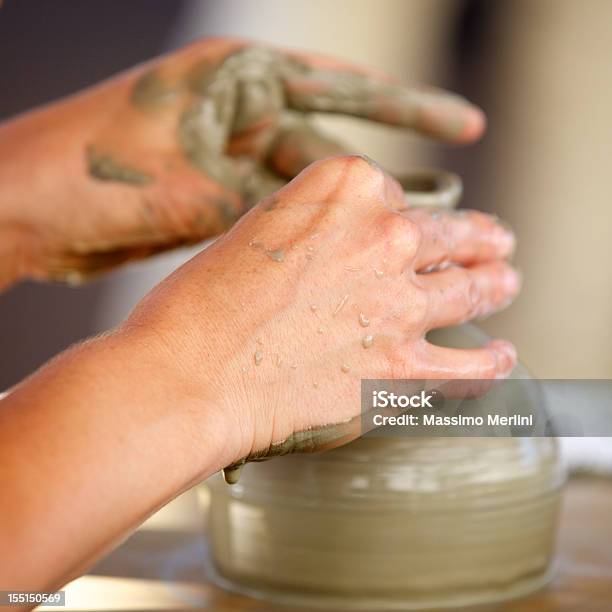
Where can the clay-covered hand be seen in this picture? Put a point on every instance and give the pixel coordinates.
(329, 281)
(176, 150)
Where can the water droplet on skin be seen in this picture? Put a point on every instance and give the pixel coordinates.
(258, 357)
(244, 369)
(294, 247)
(363, 320)
(310, 249)
(314, 307)
(345, 368)
(379, 273)
(259, 340)
(341, 304)
(278, 255)
(367, 341)
(315, 385)
(294, 366)
(320, 330)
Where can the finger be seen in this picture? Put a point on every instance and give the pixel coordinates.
(345, 89)
(459, 294)
(461, 237)
(297, 145)
(493, 361)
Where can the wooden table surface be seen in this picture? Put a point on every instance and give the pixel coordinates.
(165, 570)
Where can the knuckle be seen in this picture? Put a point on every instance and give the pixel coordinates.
(347, 179)
(358, 171)
(359, 164)
(401, 235)
(414, 237)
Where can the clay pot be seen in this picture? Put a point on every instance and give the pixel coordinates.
(393, 523)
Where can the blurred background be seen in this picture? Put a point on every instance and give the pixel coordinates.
(540, 68)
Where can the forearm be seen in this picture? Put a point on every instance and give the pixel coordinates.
(89, 447)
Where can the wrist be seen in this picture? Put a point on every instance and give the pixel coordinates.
(25, 192)
(196, 429)
(16, 254)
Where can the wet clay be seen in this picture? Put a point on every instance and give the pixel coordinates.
(151, 92)
(308, 441)
(232, 97)
(356, 94)
(277, 255)
(106, 168)
(254, 86)
(251, 90)
(392, 523)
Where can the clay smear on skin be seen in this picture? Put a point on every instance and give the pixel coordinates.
(306, 441)
(105, 167)
(151, 92)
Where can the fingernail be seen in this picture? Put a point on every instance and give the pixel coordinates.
(506, 359)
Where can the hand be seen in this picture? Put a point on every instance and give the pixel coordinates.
(329, 281)
(175, 151)
(253, 348)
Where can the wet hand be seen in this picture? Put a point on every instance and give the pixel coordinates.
(175, 151)
(329, 281)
